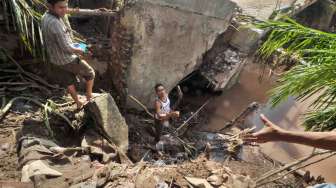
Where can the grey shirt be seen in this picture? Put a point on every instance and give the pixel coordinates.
(57, 39)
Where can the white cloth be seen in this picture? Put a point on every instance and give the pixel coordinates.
(165, 106)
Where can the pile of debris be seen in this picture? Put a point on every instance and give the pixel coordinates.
(88, 149)
(225, 64)
(93, 155)
(57, 147)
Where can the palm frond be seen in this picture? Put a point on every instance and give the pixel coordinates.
(297, 39)
(323, 120)
(317, 77)
(304, 81)
(26, 16)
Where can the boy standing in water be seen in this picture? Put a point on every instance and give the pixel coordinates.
(61, 51)
(163, 111)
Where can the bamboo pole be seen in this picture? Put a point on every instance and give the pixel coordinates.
(142, 105)
(91, 12)
(289, 166)
(185, 123)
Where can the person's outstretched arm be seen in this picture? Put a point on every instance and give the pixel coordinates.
(272, 132)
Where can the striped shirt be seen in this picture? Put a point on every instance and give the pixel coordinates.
(57, 39)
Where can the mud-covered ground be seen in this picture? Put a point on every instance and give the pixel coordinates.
(251, 163)
(25, 117)
(8, 130)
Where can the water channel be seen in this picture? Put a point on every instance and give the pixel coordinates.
(288, 115)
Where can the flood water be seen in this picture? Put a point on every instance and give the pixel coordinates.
(287, 115)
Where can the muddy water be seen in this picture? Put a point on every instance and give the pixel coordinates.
(288, 115)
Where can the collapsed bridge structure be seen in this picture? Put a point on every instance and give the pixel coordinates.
(163, 41)
(145, 42)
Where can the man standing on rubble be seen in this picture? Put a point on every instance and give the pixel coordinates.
(64, 57)
(163, 110)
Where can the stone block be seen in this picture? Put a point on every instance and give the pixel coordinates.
(168, 41)
(107, 117)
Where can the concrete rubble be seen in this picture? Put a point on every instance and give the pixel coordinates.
(106, 116)
(160, 41)
(164, 41)
(152, 41)
(246, 38)
(44, 159)
(318, 14)
(95, 162)
(223, 71)
(170, 39)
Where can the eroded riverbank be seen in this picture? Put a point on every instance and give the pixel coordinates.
(253, 86)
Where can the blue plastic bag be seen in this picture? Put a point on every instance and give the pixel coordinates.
(81, 46)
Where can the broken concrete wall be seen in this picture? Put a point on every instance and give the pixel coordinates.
(163, 41)
(318, 15)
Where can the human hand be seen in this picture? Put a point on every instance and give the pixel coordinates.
(78, 51)
(88, 54)
(162, 116)
(270, 132)
(176, 114)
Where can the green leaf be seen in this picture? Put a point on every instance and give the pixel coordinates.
(317, 77)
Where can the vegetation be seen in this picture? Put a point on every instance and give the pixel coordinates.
(316, 77)
(25, 17)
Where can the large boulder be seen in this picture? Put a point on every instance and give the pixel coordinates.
(107, 118)
(163, 41)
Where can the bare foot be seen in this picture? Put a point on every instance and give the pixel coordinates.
(81, 97)
(88, 98)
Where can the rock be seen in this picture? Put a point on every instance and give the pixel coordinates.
(225, 177)
(222, 68)
(169, 38)
(239, 181)
(162, 185)
(169, 144)
(212, 166)
(215, 180)
(159, 163)
(198, 182)
(107, 117)
(14, 184)
(85, 185)
(37, 168)
(98, 146)
(125, 184)
(5, 146)
(246, 38)
(147, 178)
